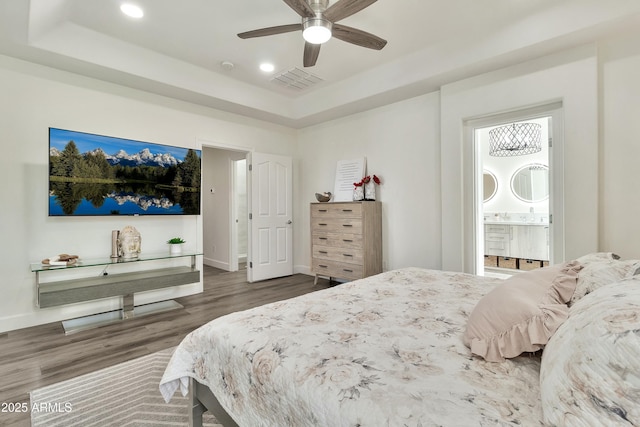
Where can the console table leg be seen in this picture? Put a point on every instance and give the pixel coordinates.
(127, 306)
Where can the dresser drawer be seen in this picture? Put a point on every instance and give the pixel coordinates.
(337, 269)
(336, 210)
(338, 254)
(336, 225)
(338, 240)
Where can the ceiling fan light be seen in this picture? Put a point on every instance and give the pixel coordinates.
(316, 31)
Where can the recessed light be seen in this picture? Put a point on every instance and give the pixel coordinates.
(267, 67)
(131, 10)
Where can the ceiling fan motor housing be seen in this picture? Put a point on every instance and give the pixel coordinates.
(318, 6)
(316, 22)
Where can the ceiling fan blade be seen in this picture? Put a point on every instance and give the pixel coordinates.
(269, 31)
(345, 8)
(358, 37)
(301, 7)
(311, 52)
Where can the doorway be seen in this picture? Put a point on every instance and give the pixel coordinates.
(247, 212)
(223, 202)
(518, 189)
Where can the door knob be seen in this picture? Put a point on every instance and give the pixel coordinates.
(289, 222)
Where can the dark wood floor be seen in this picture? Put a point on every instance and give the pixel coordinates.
(35, 357)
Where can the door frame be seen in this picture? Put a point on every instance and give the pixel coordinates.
(233, 207)
(473, 219)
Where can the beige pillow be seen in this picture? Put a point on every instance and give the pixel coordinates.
(521, 314)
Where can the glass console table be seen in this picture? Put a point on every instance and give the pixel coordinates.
(105, 284)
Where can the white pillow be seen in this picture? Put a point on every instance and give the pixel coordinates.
(597, 256)
(590, 372)
(598, 272)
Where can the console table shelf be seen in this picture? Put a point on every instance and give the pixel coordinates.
(87, 289)
(104, 284)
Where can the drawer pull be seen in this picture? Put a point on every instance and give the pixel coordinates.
(322, 238)
(322, 210)
(347, 210)
(322, 266)
(347, 225)
(347, 270)
(322, 224)
(347, 240)
(347, 255)
(323, 252)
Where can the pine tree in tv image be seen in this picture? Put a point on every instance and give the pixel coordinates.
(101, 175)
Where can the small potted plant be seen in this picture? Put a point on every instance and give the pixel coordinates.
(175, 245)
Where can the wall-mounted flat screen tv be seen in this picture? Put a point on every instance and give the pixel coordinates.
(93, 175)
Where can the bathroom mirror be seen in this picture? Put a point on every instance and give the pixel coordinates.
(530, 183)
(489, 185)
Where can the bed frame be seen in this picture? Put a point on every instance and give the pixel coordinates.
(201, 399)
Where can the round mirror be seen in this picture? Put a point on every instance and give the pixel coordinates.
(530, 183)
(489, 186)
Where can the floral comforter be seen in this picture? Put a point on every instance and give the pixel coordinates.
(381, 351)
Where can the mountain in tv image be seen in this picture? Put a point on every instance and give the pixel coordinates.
(143, 157)
(96, 175)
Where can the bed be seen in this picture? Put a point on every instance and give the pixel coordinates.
(385, 350)
(400, 349)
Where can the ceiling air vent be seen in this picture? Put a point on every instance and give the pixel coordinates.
(296, 79)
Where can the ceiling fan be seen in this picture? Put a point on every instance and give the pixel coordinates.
(319, 25)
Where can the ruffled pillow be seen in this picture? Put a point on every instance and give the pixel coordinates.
(590, 368)
(598, 272)
(521, 314)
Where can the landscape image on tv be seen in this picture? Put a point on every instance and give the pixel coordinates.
(92, 175)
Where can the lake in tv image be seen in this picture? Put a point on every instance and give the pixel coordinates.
(92, 175)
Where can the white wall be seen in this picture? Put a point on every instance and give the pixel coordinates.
(405, 144)
(34, 98)
(570, 77)
(401, 144)
(620, 146)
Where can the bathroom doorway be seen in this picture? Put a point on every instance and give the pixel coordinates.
(517, 181)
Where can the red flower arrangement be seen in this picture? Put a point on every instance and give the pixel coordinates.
(366, 180)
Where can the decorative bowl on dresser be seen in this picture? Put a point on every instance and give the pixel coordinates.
(346, 239)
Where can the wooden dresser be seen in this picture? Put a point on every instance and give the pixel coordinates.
(346, 239)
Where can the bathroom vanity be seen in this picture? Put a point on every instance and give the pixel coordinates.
(517, 240)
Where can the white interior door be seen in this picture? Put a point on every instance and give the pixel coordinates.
(270, 216)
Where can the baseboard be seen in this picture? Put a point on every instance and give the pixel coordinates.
(302, 269)
(217, 264)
